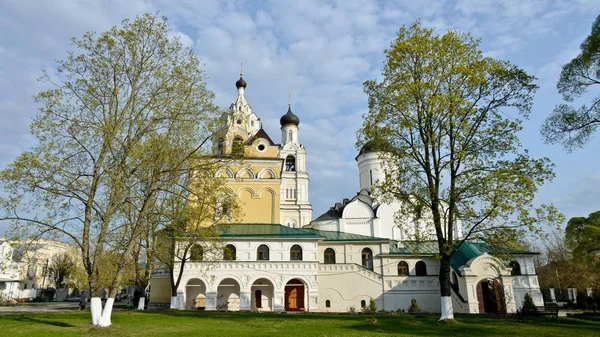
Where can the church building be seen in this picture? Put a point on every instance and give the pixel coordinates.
(277, 258)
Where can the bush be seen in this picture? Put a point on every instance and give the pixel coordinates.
(528, 302)
(371, 309)
(414, 307)
(352, 310)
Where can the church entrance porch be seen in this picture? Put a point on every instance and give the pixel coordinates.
(195, 294)
(490, 295)
(228, 295)
(294, 296)
(262, 295)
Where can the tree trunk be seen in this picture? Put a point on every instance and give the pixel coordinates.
(445, 289)
(107, 312)
(96, 310)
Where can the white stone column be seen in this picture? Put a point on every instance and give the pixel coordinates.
(180, 300)
(278, 300)
(211, 300)
(509, 294)
(313, 302)
(245, 300)
(552, 295)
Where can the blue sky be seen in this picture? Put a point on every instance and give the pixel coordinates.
(320, 52)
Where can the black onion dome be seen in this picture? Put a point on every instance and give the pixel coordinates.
(374, 146)
(240, 83)
(289, 118)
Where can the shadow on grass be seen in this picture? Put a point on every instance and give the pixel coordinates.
(32, 319)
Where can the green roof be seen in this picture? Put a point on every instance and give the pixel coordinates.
(464, 254)
(341, 236)
(414, 248)
(264, 230)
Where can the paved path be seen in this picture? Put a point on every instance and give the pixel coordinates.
(38, 308)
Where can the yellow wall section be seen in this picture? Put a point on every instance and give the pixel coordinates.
(259, 200)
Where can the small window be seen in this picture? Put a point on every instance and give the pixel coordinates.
(261, 147)
(290, 135)
(402, 268)
(24, 286)
(421, 268)
(328, 304)
(251, 123)
(329, 256)
(290, 163)
(196, 253)
(363, 304)
(229, 253)
(296, 253)
(367, 258)
(262, 253)
(239, 122)
(515, 268)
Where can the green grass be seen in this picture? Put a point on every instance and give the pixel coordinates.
(190, 323)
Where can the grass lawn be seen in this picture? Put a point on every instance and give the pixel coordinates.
(191, 323)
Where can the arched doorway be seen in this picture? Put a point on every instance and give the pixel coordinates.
(490, 295)
(195, 294)
(228, 295)
(294, 295)
(262, 295)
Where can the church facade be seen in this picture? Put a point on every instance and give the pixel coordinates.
(276, 258)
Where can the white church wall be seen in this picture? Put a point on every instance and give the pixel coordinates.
(345, 286)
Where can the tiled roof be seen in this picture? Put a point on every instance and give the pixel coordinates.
(264, 230)
(342, 236)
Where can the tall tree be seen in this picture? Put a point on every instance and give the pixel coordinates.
(583, 237)
(570, 126)
(127, 110)
(445, 117)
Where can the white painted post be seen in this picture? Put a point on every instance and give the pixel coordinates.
(245, 301)
(141, 303)
(552, 295)
(211, 301)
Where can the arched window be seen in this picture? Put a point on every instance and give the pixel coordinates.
(237, 149)
(329, 256)
(363, 304)
(196, 253)
(296, 253)
(229, 253)
(290, 135)
(421, 268)
(402, 268)
(220, 145)
(515, 268)
(258, 298)
(367, 258)
(262, 253)
(328, 304)
(290, 163)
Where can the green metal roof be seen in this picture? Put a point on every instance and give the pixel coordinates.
(342, 236)
(414, 248)
(264, 230)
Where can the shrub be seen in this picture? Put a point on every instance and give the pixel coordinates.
(352, 309)
(371, 309)
(414, 307)
(528, 302)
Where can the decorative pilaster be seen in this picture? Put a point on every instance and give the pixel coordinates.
(245, 300)
(211, 301)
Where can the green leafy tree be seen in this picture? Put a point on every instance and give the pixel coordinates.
(446, 119)
(528, 302)
(583, 236)
(126, 115)
(61, 269)
(571, 126)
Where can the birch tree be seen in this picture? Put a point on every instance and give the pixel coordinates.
(448, 120)
(125, 111)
